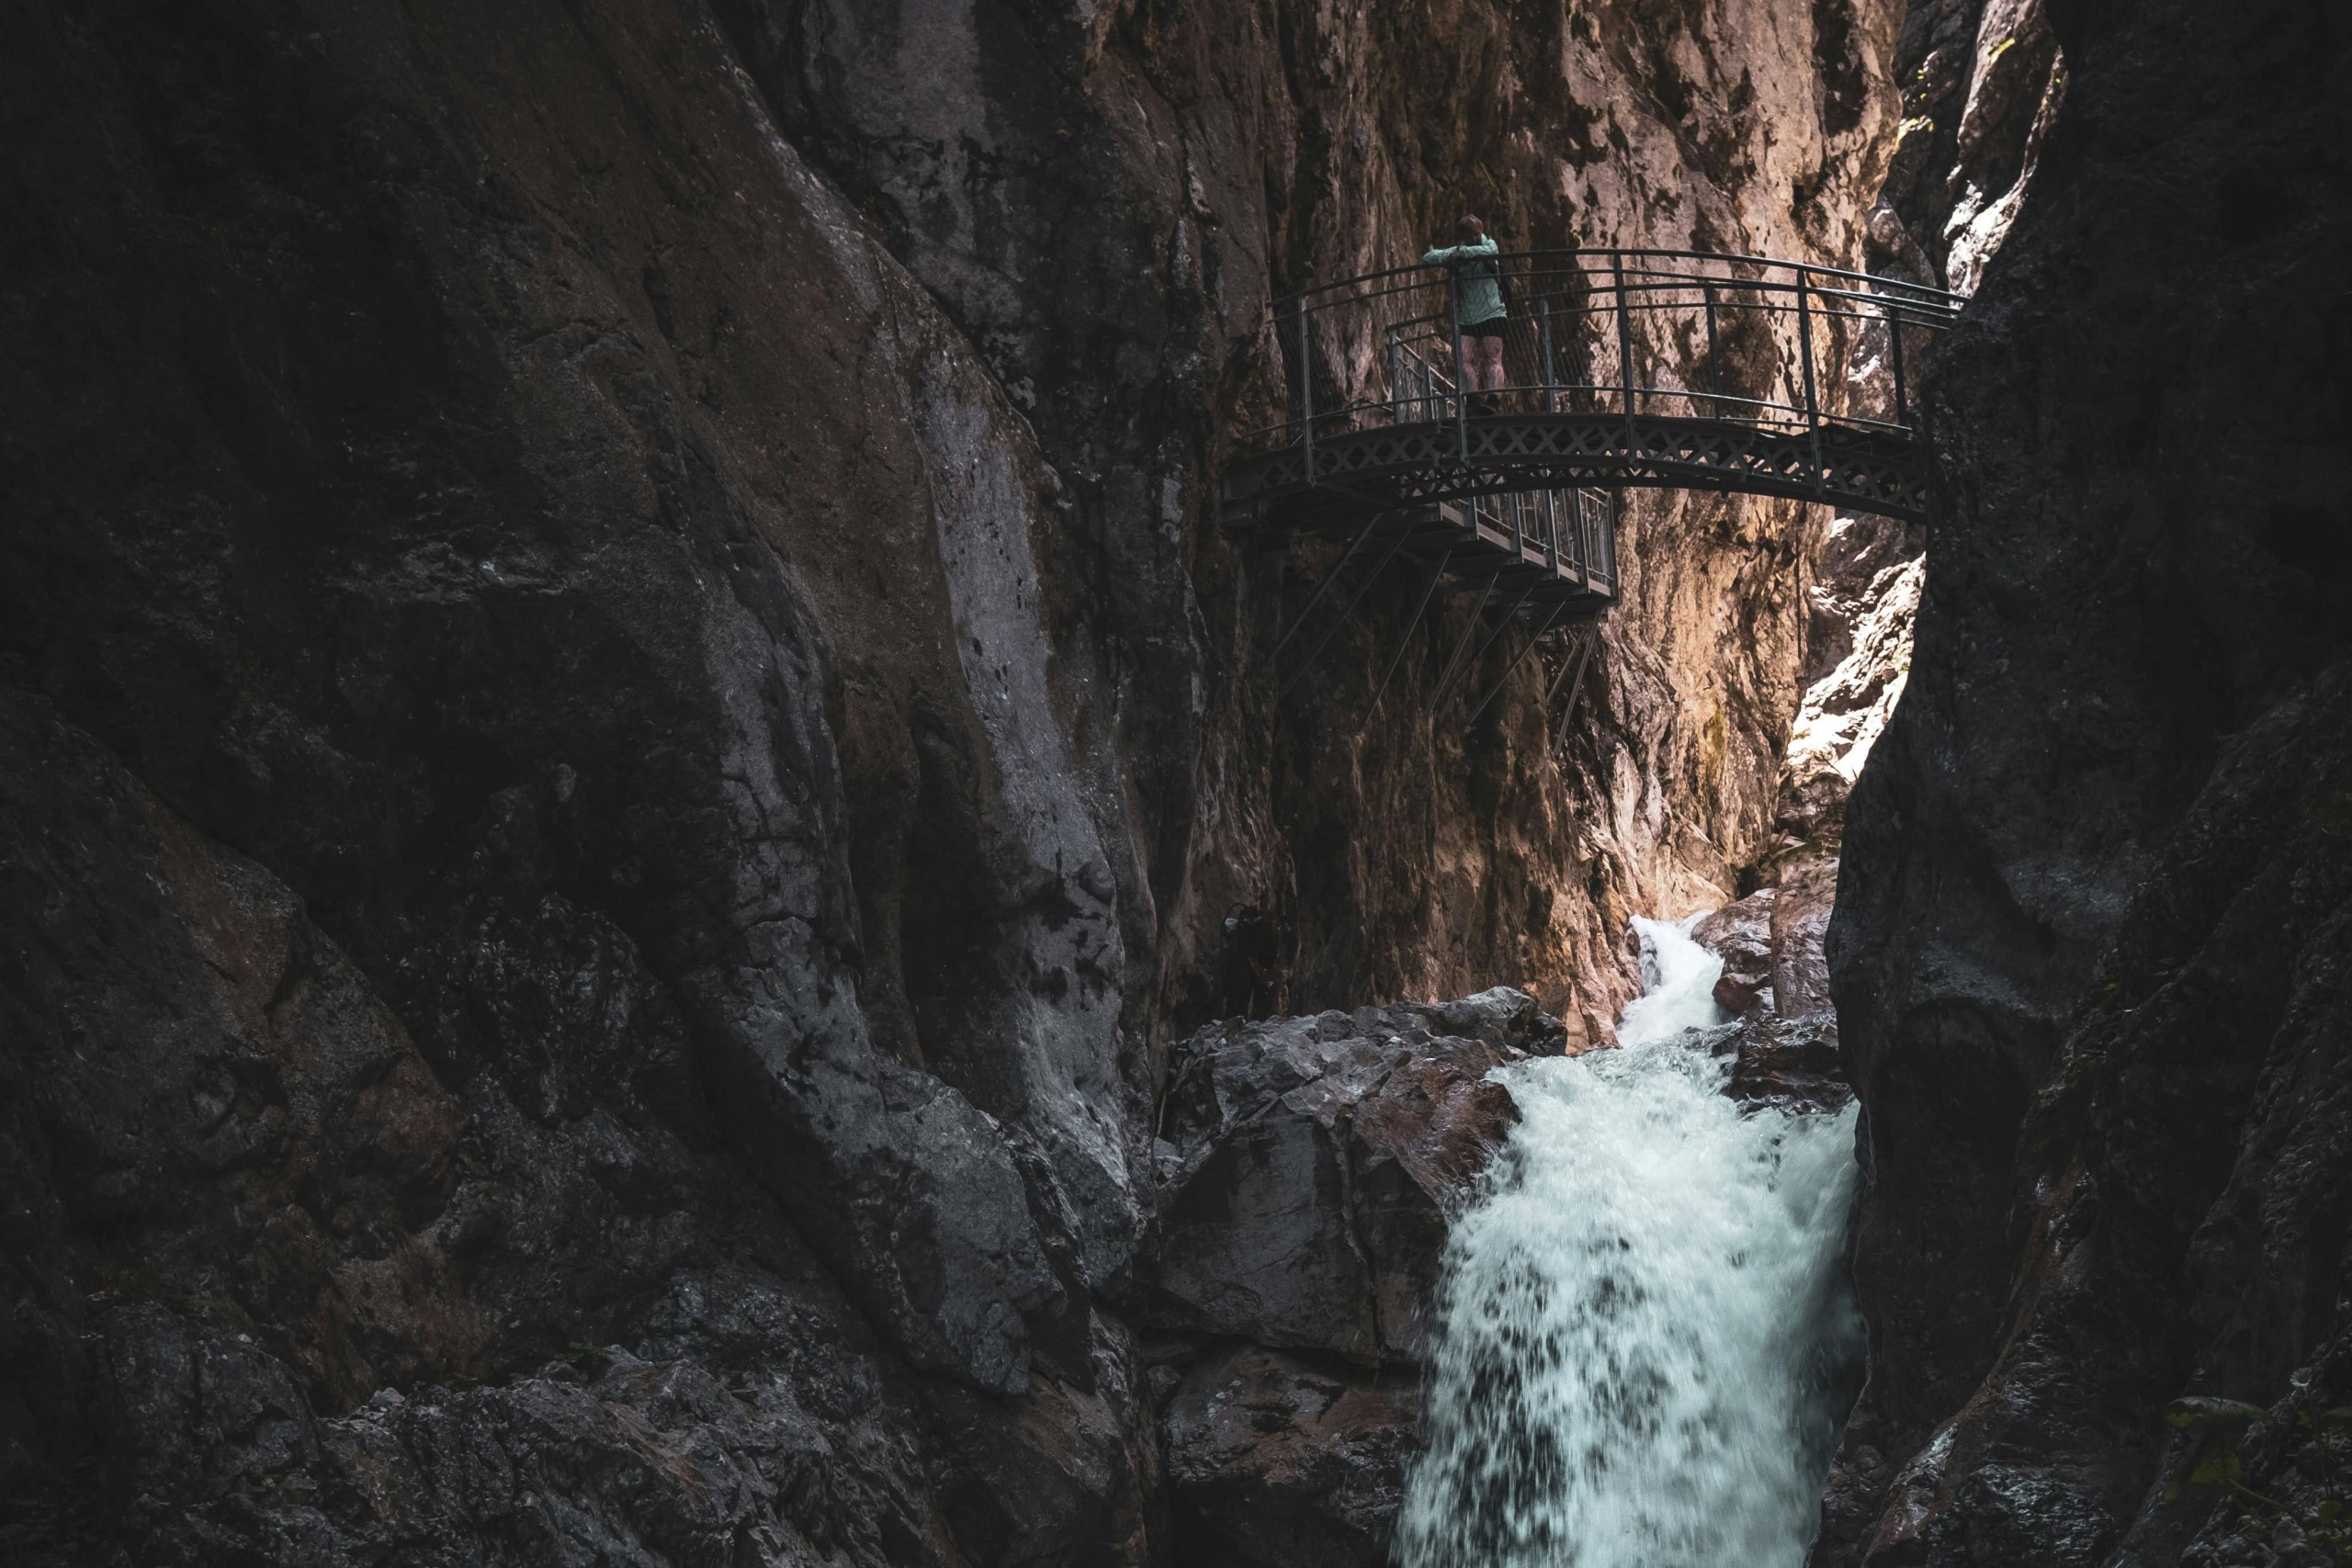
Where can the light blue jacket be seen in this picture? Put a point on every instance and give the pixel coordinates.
(1481, 294)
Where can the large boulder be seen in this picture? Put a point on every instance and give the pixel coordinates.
(1308, 1170)
(1788, 1062)
(1771, 942)
(1307, 1166)
(1741, 935)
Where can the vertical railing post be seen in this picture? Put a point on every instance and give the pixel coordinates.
(1714, 357)
(1396, 375)
(1588, 535)
(1894, 358)
(1575, 522)
(1625, 339)
(1609, 536)
(1811, 397)
(1305, 388)
(1551, 379)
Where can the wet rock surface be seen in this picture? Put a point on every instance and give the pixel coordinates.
(1783, 1054)
(1792, 1063)
(1801, 913)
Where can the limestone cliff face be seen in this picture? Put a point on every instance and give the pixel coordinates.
(1106, 201)
(627, 733)
(1980, 84)
(2089, 930)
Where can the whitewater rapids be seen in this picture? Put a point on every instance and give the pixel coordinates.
(1645, 1330)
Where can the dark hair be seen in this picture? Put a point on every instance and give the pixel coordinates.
(1471, 227)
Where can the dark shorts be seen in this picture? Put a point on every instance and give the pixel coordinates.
(1493, 329)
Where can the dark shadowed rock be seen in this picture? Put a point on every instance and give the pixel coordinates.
(2184, 1184)
(200, 1409)
(2090, 933)
(1308, 1165)
(1278, 1463)
(1785, 1045)
(244, 1204)
(615, 1459)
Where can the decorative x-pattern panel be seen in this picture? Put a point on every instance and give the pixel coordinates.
(1400, 464)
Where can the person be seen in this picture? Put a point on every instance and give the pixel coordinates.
(1480, 313)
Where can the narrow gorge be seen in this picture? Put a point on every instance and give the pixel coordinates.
(686, 881)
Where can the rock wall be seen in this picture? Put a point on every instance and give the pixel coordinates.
(2089, 928)
(629, 737)
(1981, 83)
(470, 479)
(1108, 234)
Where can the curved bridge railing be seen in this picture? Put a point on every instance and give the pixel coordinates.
(1663, 368)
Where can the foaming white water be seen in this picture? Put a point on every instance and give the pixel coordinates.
(1645, 1324)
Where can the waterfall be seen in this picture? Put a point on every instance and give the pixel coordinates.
(1643, 1325)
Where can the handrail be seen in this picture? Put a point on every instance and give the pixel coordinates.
(1372, 347)
(1927, 292)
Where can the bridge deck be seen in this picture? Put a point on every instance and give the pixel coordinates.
(1317, 485)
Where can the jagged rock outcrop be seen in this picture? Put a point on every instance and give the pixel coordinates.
(1982, 82)
(1740, 933)
(1787, 1062)
(1784, 1043)
(2088, 925)
(1807, 896)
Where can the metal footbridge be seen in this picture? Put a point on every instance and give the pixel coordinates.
(1666, 369)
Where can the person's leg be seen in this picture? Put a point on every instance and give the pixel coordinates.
(1489, 363)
